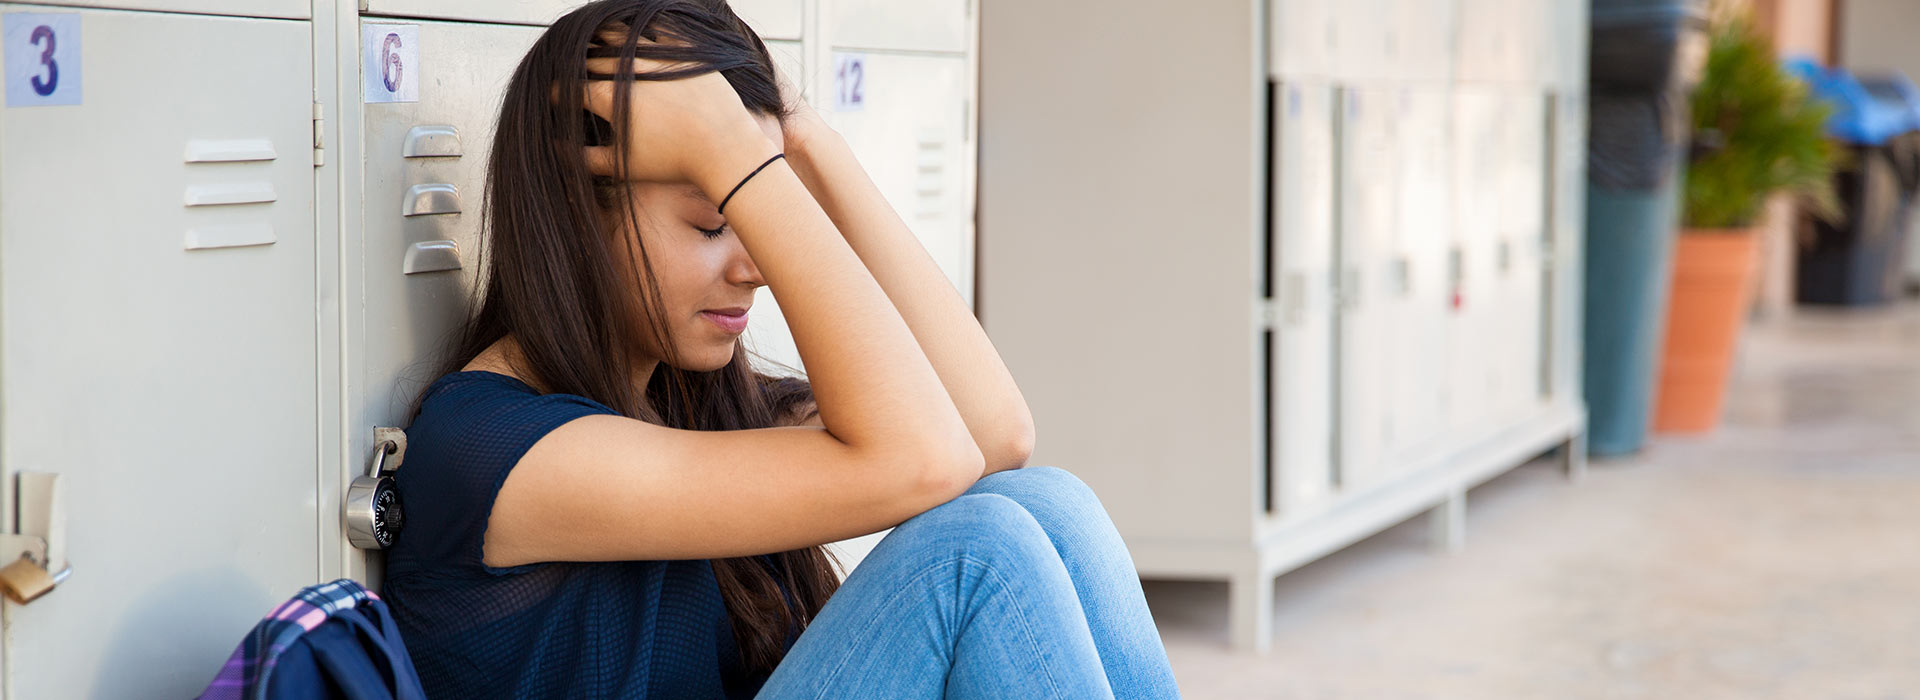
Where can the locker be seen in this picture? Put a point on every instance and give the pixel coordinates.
(1302, 252)
(1473, 273)
(417, 257)
(1421, 297)
(772, 19)
(1567, 47)
(1301, 33)
(533, 12)
(1364, 41)
(1518, 251)
(282, 9)
(1424, 32)
(1364, 257)
(1566, 224)
(1485, 36)
(924, 25)
(158, 344)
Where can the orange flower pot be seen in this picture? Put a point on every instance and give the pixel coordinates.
(1713, 272)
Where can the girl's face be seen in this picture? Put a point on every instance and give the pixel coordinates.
(706, 278)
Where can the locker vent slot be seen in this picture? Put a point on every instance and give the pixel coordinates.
(229, 193)
(432, 141)
(233, 236)
(929, 185)
(431, 256)
(229, 150)
(436, 198)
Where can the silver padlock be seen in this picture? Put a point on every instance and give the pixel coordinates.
(25, 580)
(373, 510)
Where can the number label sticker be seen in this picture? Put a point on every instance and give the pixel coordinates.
(849, 82)
(42, 58)
(390, 62)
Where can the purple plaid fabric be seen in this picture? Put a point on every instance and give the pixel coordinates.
(245, 675)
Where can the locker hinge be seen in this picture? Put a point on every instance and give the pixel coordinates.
(319, 140)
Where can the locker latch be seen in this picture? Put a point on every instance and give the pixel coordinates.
(319, 136)
(34, 560)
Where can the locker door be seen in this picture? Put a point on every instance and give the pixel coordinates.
(158, 344)
(1302, 365)
(532, 12)
(417, 255)
(286, 9)
(1418, 277)
(1364, 41)
(772, 19)
(1424, 32)
(1302, 32)
(1518, 250)
(1471, 265)
(1364, 258)
(922, 25)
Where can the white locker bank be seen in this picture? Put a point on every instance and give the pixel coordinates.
(1275, 276)
(232, 235)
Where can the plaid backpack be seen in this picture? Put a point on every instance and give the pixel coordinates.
(333, 640)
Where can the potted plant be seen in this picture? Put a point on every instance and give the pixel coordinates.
(1757, 132)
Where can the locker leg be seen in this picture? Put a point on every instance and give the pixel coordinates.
(1447, 523)
(1573, 457)
(1250, 613)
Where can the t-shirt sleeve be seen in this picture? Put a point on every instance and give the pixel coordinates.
(460, 450)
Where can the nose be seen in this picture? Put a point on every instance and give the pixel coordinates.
(740, 267)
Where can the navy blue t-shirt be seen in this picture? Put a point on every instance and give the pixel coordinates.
(634, 629)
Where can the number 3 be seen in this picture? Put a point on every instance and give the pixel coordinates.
(52, 82)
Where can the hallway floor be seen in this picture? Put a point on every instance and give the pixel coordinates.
(1776, 558)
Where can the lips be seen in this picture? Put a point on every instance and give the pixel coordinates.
(733, 320)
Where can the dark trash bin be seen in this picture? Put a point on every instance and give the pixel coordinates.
(1859, 261)
(1646, 55)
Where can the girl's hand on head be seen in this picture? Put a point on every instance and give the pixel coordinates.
(802, 123)
(692, 129)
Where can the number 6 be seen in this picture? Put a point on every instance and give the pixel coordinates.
(390, 67)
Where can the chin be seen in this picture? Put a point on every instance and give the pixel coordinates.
(712, 360)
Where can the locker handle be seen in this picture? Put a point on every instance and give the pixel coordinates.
(1350, 288)
(431, 141)
(435, 198)
(431, 256)
(1295, 303)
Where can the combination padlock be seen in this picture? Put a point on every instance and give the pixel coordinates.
(25, 580)
(373, 507)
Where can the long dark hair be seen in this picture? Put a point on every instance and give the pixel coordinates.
(560, 278)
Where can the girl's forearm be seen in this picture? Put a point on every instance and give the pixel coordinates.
(982, 389)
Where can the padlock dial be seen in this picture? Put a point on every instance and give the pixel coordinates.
(387, 517)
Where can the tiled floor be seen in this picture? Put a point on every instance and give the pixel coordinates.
(1776, 558)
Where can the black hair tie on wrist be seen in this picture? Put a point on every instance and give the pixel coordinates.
(743, 181)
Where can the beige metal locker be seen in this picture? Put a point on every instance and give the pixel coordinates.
(157, 342)
(416, 251)
(1422, 303)
(1302, 341)
(1368, 294)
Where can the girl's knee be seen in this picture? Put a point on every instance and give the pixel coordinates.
(1053, 483)
(978, 524)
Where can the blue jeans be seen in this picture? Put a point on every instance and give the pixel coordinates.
(1020, 589)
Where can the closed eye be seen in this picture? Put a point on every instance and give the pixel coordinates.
(712, 232)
